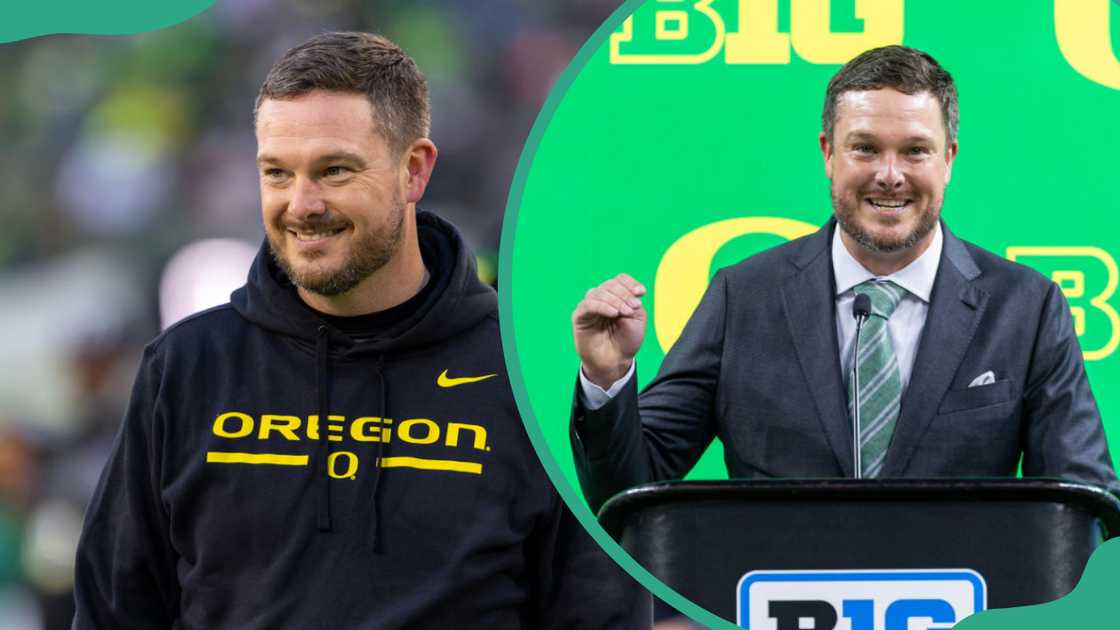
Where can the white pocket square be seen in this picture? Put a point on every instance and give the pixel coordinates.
(987, 378)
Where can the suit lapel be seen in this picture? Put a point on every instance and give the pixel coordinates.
(956, 307)
(808, 297)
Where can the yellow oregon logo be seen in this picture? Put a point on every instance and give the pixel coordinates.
(684, 273)
(756, 39)
(236, 425)
(1083, 29)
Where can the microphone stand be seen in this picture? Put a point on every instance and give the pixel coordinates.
(861, 310)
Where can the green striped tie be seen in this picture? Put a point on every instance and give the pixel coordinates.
(880, 383)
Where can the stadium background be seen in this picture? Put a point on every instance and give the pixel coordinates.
(129, 198)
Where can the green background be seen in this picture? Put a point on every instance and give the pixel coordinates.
(626, 159)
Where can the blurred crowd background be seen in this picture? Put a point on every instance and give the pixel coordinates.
(129, 199)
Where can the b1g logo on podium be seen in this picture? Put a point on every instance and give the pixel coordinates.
(918, 599)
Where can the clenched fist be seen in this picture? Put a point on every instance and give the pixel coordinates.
(608, 325)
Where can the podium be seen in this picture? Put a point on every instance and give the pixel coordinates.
(1028, 539)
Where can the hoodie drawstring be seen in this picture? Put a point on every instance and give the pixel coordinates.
(322, 452)
(375, 515)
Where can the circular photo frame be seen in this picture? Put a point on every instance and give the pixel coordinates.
(685, 137)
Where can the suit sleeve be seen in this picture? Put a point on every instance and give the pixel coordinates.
(125, 574)
(1064, 435)
(662, 433)
(577, 585)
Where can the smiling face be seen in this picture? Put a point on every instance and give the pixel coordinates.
(333, 193)
(888, 165)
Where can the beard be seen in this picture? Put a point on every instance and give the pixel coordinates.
(367, 253)
(847, 216)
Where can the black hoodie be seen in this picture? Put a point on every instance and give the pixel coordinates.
(425, 507)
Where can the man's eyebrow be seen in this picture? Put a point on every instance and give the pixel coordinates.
(334, 156)
(340, 156)
(866, 135)
(860, 135)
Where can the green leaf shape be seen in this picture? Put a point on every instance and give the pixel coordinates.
(23, 20)
(1091, 601)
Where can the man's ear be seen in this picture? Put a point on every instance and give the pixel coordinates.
(826, 153)
(419, 160)
(950, 155)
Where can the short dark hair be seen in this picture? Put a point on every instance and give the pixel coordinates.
(359, 63)
(907, 70)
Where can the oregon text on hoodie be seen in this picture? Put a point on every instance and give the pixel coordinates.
(274, 472)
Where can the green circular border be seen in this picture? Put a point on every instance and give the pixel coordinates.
(509, 345)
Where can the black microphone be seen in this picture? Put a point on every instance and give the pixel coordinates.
(861, 310)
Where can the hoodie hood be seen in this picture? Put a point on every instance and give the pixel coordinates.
(459, 302)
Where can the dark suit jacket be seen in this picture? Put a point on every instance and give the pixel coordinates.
(758, 367)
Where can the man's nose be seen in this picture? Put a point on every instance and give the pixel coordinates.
(307, 199)
(888, 176)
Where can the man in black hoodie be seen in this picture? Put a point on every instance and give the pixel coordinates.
(339, 446)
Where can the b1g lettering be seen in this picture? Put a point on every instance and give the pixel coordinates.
(1089, 302)
(791, 614)
(755, 38)
(654, 37)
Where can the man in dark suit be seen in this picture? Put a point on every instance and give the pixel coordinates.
(968, 362)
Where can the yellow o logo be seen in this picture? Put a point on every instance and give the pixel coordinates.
(683, 273)
(351, 465)
(1085, 39)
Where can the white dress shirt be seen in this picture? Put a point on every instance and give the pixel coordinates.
(905, 325)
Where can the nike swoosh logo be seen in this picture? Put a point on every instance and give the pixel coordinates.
(446, 381)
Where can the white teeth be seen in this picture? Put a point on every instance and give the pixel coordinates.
(888, 203)
(314, 236)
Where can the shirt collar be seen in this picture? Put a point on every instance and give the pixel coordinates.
(917, 277)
